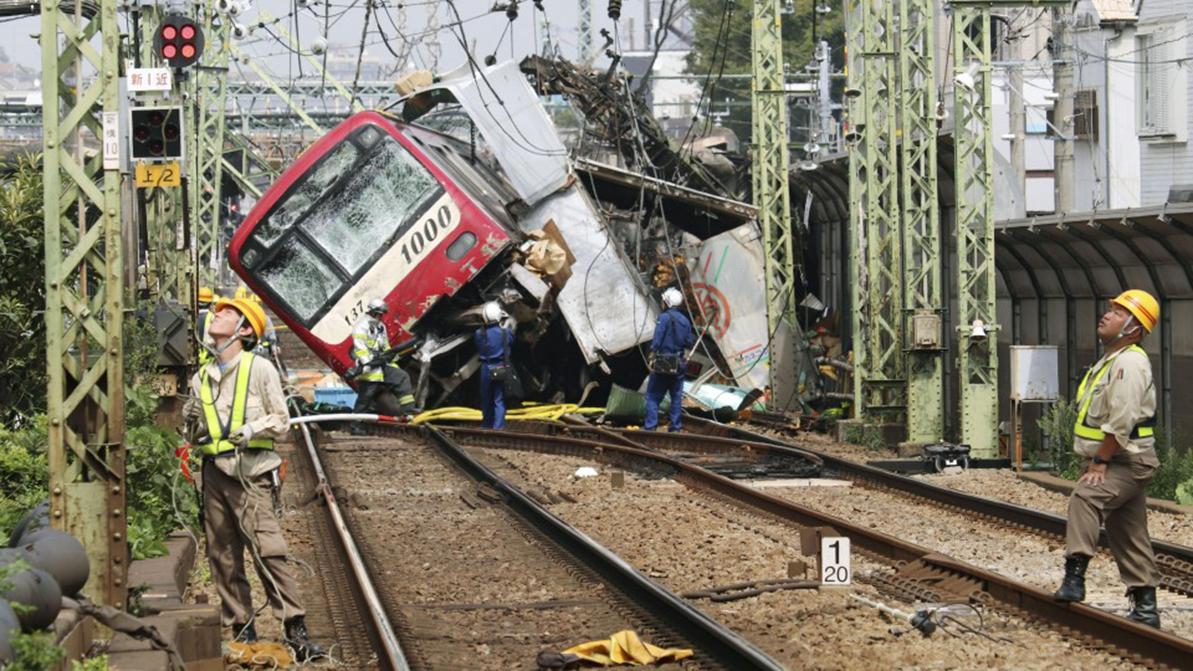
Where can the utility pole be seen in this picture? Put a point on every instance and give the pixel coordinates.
(976, 327)
(85, 287)
(1062, 76)
(875, 216)
(585, 33)
(923, 302)
(206, 122)
(1018, 141)
(772, 195)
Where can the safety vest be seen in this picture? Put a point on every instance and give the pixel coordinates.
(204, 353)
(218, 430)
(369, 339)
(1144, 429)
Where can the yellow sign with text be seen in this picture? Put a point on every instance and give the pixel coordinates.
(157, 175)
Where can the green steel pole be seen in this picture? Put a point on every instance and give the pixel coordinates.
(207, 110)
(921, 223)
(974, 174)
(855, 114)
(770, 172)
(85, 288)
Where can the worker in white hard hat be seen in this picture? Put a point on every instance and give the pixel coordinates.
(673, 335)
(378, 374)
(1115, 431)
(493, 347)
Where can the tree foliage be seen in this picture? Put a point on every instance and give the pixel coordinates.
(721, 34)
(22, 290)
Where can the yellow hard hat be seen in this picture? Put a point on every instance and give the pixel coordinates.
(206, 295)
(248, 309)
(1143, 305)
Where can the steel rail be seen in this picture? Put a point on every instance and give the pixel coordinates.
(722, 645)
(1157, 645)
(383, 630)
(1028, 517)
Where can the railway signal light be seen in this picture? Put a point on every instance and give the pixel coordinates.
(156, 132)
(179, 41)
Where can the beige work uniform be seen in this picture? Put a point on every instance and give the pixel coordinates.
(1122, 399)
(237, 502)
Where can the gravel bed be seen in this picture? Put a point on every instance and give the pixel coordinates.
(475, 592)
(688, 541)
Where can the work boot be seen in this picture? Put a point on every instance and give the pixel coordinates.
(244, 633)
(300, 642)
(1072, 588)
(1143, 606)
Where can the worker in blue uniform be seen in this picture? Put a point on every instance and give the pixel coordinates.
(673, 336)
(493, 346)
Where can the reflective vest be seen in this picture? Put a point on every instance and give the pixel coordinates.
(369, 340)
(205, 317)
(1144, 429)
(218, 430)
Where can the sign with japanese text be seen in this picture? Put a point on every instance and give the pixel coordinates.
(150, 79)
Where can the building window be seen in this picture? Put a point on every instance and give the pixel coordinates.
(1160, 81)
(1085, 115)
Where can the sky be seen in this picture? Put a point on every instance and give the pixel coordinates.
(486, 32)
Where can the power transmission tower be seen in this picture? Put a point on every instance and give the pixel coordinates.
(772, 195)
(585, 33)
(877, 281)
(922, 298)
(85, 287)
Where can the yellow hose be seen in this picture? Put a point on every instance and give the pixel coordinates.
(531, 412)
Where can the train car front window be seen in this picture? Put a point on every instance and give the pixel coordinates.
(331, 168)
(300, 278)
(381, 194)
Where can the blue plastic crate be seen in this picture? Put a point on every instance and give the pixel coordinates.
(344, 396)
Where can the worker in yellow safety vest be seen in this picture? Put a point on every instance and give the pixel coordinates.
(370, 341)
(205, 298)
(1116, 406)
(236, 412)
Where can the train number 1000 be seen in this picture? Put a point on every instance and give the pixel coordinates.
(425, 233)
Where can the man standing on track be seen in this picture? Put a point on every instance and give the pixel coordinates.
(237, 410)
(1116, 406)
(673, 335)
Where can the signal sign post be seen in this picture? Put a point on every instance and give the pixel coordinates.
(836, 569)
(179, 41)
(155, 133)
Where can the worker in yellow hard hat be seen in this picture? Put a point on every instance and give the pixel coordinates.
(204, 299)
(236, 411)
(1116, 407)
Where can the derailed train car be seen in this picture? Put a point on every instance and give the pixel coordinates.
(479, 200)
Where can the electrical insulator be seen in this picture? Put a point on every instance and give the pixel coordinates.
(179, 41)
(615, 9)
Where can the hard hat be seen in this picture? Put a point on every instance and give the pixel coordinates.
(206, 295)
(491, 313)
(672, 298)
(377, 306)
(251, 311)
(1143, 305)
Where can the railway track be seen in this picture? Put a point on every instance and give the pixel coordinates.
(1175, 561)
(456, 568)
(916, 572)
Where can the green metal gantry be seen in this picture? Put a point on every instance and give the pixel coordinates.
(922, 300)
(772, 195)
(85, 287)
(205, 121)
(880, 380)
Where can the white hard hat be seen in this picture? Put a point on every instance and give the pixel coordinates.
(377, 306)
(672, 298)
(491, 313)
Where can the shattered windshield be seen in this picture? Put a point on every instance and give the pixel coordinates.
(368, 208)
(300, 277)
(323, 232)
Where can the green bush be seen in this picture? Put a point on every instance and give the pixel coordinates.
(1176, 469)
(23, 471)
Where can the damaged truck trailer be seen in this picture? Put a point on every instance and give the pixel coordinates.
(468, 195)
